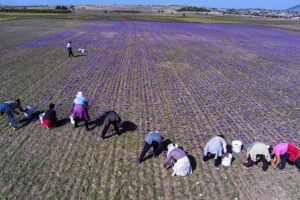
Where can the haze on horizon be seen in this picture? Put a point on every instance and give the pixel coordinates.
(266, 4)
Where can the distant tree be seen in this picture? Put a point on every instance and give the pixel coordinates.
(105, 11)
(193, 8)
(61, 8)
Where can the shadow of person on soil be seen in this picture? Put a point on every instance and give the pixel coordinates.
(126, 126)
(33, 117)
(193, 162)
(98, 122)
(79, 55)
(62, 122)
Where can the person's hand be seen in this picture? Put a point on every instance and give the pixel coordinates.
(162, 165)
(225, 155)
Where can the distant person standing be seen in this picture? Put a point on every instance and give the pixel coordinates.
(69, 47)
(111, 118)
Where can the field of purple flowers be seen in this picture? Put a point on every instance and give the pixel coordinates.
(190, 81)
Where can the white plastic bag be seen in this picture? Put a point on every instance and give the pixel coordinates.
(28, 111)
(41, 117)
(81, 50)
(72, 119)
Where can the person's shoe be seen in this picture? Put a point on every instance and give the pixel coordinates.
(202, 161)
(265, 172)
(14, 128)
(154, 155)
(216, 168)
(246, 167)
(99, 138)
(281, 170)
(138, 163)
(88, 129)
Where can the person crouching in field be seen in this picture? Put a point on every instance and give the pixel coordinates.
(69, 48)
(284, 152)
(256, 152)
(177, 158)
(111, 118)
(9, 108)
(215, 148)
(153, 139)
(49, 119)
(80, 110)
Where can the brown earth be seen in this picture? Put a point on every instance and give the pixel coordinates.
(67, 163)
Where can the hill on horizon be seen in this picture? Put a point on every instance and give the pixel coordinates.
(295, 8)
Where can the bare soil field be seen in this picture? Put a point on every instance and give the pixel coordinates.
(190, 81)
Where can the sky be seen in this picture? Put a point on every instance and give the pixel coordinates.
(268, 4)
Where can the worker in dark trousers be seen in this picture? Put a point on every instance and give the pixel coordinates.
(153, 139)
(111, 118)
(9, 108)
(69, 47)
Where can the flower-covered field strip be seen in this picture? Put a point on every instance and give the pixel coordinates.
(190, 81)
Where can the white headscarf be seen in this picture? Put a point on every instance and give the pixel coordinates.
(79, 94)
(171, 147)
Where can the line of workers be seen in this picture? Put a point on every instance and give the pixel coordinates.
(176, 157)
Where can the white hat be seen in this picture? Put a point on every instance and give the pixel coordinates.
(171, 147)
(79, 94)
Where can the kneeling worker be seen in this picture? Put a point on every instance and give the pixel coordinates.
(177, 158)
(49, 119)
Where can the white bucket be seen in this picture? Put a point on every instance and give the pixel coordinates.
(226, 161)
(41, 117)
(236, 146)
(72, 119)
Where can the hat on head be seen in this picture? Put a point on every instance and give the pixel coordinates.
(79, 94)
(171, 147)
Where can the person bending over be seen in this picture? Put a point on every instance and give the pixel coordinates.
(80, 110)
(111, 118)
(257, 152)
(9, 108)
(215, 148)
(153, 139)
(284, 152)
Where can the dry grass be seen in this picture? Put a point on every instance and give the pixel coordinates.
(67, 163)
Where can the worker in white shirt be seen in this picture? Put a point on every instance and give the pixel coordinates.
(69, 47)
